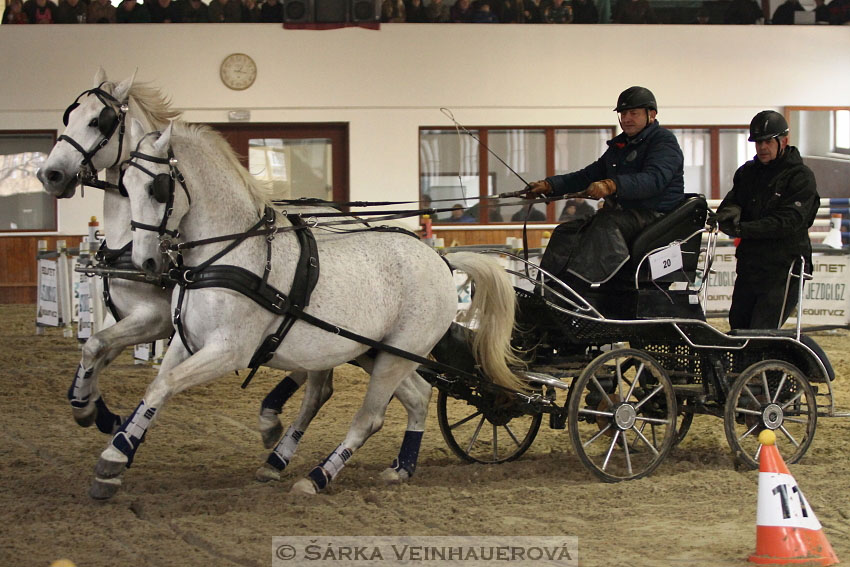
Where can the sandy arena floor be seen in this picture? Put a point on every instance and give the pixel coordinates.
(191, 499)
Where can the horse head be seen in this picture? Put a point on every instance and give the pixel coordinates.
(92, 139)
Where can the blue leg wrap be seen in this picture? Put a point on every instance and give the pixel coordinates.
(408, 454)
(277, 461)
(106, 421)
(284, 451)
(132, 433)
(280, 394)
(327, 471)
(319, 478)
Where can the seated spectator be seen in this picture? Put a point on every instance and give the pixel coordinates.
(250, 11)
(194, 12)
(533, 12)
(482, 14)
(437, 12)
(415, 12)
(164, 11)
(461, 12)
(393, 11)
(528, 213)
(702, 17)
(508, 11)
(585, 12)
(272, 12)
(743, 12)
(821, 12)
(131, 12)
(576, 209)
(634, 12)
(40, 11)
(459, 215)
(100, 12)
(839, 12)
(784, 14)
(558, 13)
(14, 13)
(71, 12)
(228, 11)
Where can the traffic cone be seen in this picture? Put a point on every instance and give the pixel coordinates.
(787, 530)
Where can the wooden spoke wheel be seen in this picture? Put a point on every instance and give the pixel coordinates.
(498, 434)
(775, 395)
(622, 415)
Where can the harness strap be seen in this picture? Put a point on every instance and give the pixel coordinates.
(113, 258)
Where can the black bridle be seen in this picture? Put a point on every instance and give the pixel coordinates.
(110, 120)
(161, 188)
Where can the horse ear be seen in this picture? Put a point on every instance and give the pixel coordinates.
(122, 91)
(137, 131)
(164, 141)
(99, 77)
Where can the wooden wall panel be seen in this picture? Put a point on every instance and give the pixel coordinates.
(461, 237)
(18, 273)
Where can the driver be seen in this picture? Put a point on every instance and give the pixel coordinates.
(640, 176)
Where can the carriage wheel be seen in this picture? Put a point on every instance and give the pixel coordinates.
(493, 437)
(686, 418)
(622, 415)
(774, 395)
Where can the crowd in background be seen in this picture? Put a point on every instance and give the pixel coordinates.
(414, 11)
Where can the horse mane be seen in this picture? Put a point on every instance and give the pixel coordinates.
(151, 102)
(201, 133)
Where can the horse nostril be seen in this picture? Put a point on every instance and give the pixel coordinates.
(55, 176)
(149, 265)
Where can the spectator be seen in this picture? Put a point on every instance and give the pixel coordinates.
(415, 12)
(558, 13)
(459, 215)
(131, 12)
(227, 11)
(193, 12)
(164, 11)
(461, 12)
(585, 12)
(393, 11)
(100, 12)
(40, 11)
(604, 8)
(14, 13)
(772, 204)
(839, 12)
(702, 17)
(784, 14)
(482, 14)
(576, 209)
(437, 12)
(508, 11)
(272, 12)
(528, 213)
(743, 12)
(71, 12)
(251, 12)
(533, 12)
(821, 12)
(634, 12)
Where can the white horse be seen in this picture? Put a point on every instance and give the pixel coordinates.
(94, 140)
(389, 289)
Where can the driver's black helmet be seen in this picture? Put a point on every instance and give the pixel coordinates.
(767, 124)
(636, 97)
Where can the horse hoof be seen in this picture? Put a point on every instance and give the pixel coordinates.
(104, 488)
(111, 464)
(85, 416)
(304, 486)
(266, 473)
(272, 434)
(392, 476)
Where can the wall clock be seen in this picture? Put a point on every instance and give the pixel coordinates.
(238, 71)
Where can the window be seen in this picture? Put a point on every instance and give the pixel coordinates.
(841, 131)
(451, 166)
(24, 206)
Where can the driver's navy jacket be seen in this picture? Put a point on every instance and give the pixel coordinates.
(648, 171)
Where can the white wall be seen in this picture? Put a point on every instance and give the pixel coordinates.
(388, 83)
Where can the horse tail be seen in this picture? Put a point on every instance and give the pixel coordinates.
(493, 307)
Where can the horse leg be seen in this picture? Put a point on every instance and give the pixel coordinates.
(414, 393)
(270, 427)
(87, 404)
(176, 374)
(387, 374)
(318, 390)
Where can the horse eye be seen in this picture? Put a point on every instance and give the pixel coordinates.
(93, 123)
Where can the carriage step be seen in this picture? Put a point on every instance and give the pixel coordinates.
(545, 379)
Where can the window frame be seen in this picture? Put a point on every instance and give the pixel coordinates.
(54, 204)
(831, 109)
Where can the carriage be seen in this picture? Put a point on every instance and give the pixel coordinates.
(626, 370)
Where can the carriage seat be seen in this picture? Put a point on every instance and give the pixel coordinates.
(679, 224)
(805, 339)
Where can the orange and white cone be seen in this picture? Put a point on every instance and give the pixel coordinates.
(787, 530)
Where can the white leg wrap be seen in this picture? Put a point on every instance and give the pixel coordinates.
(287, 446)
(334, 463)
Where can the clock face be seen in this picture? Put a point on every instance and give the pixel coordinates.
(238, 71)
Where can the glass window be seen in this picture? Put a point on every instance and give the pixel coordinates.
(842, 131)
(525, 152)
(696, 148)
(733, 151)
(449, 176)
(576, 149)
(295, 168)
(24, 206)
